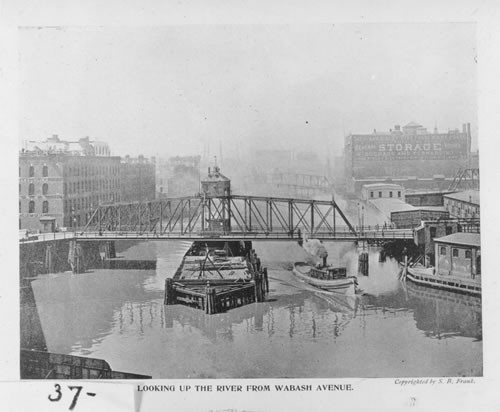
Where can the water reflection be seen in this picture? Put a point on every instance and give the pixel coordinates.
(444, 314)
(391, 330)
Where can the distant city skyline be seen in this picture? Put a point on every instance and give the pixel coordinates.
(181, 90)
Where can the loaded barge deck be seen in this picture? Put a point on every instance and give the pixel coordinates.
(216, 276)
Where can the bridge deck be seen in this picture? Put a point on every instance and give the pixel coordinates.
(347, 236)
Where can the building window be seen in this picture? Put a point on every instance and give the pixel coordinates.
(468, 254)
(379, 194)
(19, 206)
(31, 207)
(31, 189)
(433, 232)
(399, 193)
(449, 230)
(45, 171)
(390, 194)
(442, 251)
(32, 171)
(45, 206)
(455, 252)
(45, 189)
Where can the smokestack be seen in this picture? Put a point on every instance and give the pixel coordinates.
(324, 260)
(468, 129)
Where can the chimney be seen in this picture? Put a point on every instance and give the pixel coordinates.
(468, 129)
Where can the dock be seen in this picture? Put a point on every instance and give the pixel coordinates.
(37, 364)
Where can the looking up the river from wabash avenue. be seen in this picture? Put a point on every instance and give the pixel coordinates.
(392, 330)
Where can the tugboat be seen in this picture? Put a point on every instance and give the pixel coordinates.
(323, 276)
(326, 277)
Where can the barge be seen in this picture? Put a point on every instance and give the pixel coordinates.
(428, 277)
(458, 265)
(215, 276)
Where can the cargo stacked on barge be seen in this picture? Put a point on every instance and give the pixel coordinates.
(215, 276)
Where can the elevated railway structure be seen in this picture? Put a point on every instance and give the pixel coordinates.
(465, 179)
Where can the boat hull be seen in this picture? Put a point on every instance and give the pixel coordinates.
(345, 286)
(428, 278)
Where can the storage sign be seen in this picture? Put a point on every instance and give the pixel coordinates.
(415, 147)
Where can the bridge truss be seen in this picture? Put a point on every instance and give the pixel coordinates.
(228, 215)
(465, 179)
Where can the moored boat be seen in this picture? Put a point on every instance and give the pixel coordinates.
(218, 275)
(329, 278)
(429, 277)
(218, 260)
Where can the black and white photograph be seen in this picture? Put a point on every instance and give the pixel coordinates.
(249, 201)
(236, 207)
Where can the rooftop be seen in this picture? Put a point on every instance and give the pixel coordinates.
(413, 124)
(471, 196)
(214, 175)
(375, 185)
(388, 205)
(466, 239)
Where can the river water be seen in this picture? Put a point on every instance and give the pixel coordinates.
(391, 330)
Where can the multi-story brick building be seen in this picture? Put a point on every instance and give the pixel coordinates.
(410, 156)
(178, 176)
(61, 183)
(463, 204)
(138, 179)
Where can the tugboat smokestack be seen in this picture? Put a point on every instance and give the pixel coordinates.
(324, 260)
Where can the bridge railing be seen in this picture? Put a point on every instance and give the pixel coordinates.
(376, 235)
(43, 237)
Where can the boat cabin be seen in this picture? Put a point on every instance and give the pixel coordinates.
(459, 255)
(329, 273)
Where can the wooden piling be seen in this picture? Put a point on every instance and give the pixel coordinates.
(266, 280)
(258, 287)
(169, 292)
(210, 300)
(363, 263)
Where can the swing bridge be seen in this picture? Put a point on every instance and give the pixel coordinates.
(231, 217)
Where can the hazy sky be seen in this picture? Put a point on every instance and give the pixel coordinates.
(171, 90)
